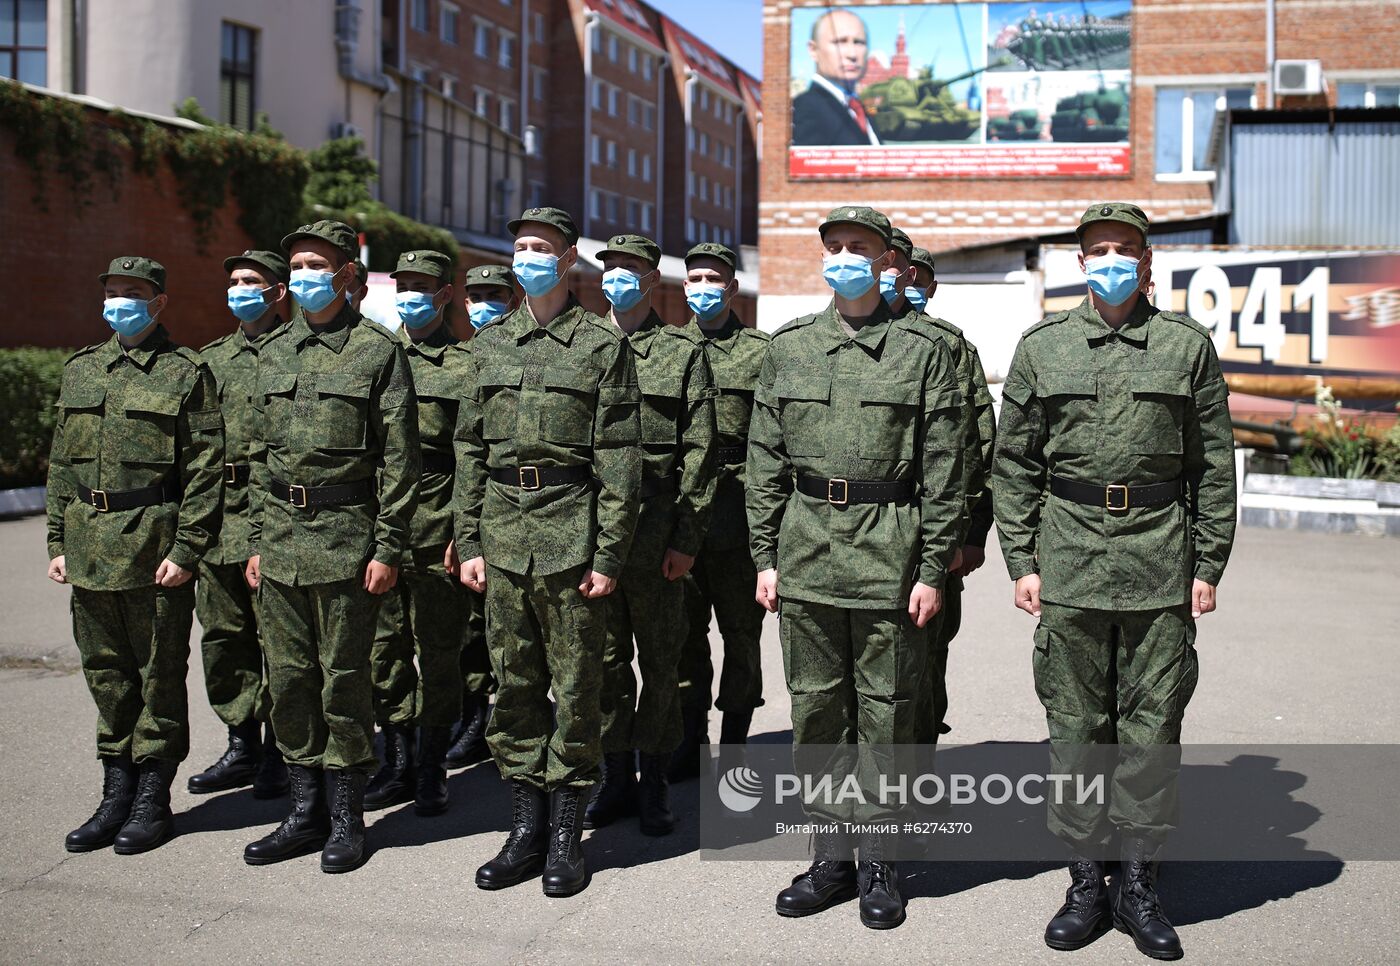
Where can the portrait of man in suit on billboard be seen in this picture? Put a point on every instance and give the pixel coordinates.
(829, 112)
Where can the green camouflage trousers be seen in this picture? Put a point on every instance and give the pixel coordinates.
(722, 581)
(647, 608)
(317, 638)
(941, 631)
(425, 614)
(1116, 677)
(234, 674)
(544, 635)
(476, 659)
(135, 649)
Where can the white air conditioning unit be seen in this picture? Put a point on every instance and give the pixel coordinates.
(343, 129)
(1298, 77)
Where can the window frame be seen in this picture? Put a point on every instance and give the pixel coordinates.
(446, 10)
(1190, 175)
(250, 75)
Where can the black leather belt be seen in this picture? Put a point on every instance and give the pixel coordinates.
(439, 463)
(534, 477)
(1116, 496)
(729, 455)
(841, 492)
(236, 474)
(310, 497)
(105, 501)
(657, 485)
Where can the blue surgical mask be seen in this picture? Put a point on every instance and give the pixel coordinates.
(314, 290)
(888, 290)
(537, 272)
(247, 302)
(1113, 278)
(416, 309)
(705, 300)
(915, 297)
(623, 288)
(482, 314)
(126, 316)
(849, 275)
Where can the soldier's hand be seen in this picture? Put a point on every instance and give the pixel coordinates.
(1202, 598)
(767, 590)
(972, 558)
(252, 573)
(473, 574)
(172, 575)
(597, 585)
(1028, 594)
(449, 559)
(676, 565)
(58, 569)
(924, 603)
(380, 578)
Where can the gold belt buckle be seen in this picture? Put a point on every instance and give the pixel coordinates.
(230, 473)
(522, 471)
(292, 495)
(100, 507)
(831, 492)
(1108, 497)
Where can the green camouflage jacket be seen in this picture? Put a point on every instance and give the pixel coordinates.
(440, 370)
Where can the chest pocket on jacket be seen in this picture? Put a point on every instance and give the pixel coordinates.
(1158, 410)
(278, 395)
(733, 407)
(804, 408)
(888, 416)
(661, 409)
(341, 413)
(82, 421)
(498, 389)
(437, 406)
(147, 434)
(1070, 400)
(568, 405)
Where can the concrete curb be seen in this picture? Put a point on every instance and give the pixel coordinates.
(21, 501)
(1320, 505)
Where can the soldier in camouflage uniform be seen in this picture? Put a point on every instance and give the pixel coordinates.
(856, 507)
(723, 577)
(335, 483)
(678, 482)
(1115, 502)
(234, 675)
(490, 296)
(133, 504)
(548, 471)
(428, 620)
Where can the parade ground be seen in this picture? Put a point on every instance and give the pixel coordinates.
(1302, 650)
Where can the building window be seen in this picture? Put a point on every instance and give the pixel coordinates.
(540, 79)
(632, 162)
(648, 117)
(596, 150)
(646, 217)
(448, 19)
(646, 167)
(537, 27)
(481, 39)
(704, 98)
(614, 107)
(597, 40)
(1368, 95)
(646, 66)
(507, 58)
(704, 143)
(481, 101)
(690, 182)
(597, 94)
(612, 208)
(634, 110)
(704, 188)
(612, 48)
(612, 154)
(631, 58)
(633, 213)
(418, 16)
(24, 38)
(595, 204)
(508, 115)
(237, 76)
(1185, 118)
(449, 87)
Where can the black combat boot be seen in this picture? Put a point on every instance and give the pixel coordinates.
(304, 830)
(617, 795)
(430, 787)
(393, 784)
(345, 849)
(734, 727)
(237, 767)
(830, 879)
(271, 780)
(685, 760)
(881, 905)
(565, 873)
(118, 792)
(1086, 914)
(1138, 911)
(654, 796)
(523, 855)
(150, 823)
(469, 747)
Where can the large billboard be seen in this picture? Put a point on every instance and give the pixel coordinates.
(961, 90)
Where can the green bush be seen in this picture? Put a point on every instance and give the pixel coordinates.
(1388, 456)
(389, 233)
(29, 381)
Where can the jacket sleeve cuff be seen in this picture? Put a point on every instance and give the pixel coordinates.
(183, 557)
(389, 556)
(932, 576)
(468, 549)
(606, 564)
(55, 550)
(765, 560)
(1021, 567)
(977, 535)
(1210, 573)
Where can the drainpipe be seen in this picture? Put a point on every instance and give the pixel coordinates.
(690, 82)
(663, 64)
(590, 27)
(1269, 52)
(738, 175)
(524, 51)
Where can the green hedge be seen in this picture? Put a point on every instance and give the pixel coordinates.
(390, 234)
(29, 380)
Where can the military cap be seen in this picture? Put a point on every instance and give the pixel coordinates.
(271, 261)
(500, 275)
(713, 250)
(638, 245)
(338, 233)
(134, 266)
(900, 242)
(555, 218)
(1113, 211)
(425, 262)
(858, 215)
(921, 256)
